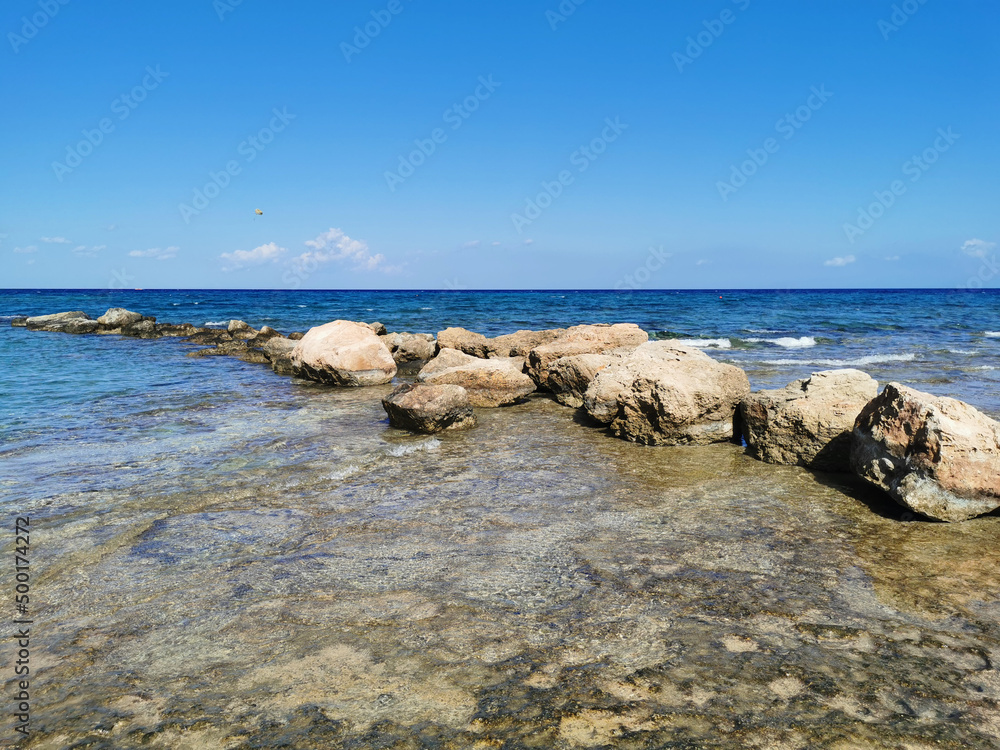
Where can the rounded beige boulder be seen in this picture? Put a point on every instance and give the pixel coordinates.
(343, 353)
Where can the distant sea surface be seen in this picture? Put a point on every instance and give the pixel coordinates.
(223, 557)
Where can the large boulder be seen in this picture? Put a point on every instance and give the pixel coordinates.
(278, 351)
(570, 377)
(620, 338)
(666, 393)
(65, 322)
(343, 353)
(429, 408)
(490, 382)
(808, 422)
(937, 456)
(462, 340)
(410, 347)
(119, 317)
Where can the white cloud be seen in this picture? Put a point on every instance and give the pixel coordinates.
(702, 262)
(977, 248)
(472, 244)
(84, 252)
(334, 245)
(495, 244)
(529, 242)
(112, 227)
(242, 258)
(840, 261)
(25, 250)
(892, 257)
(55, 240)
(157, 253)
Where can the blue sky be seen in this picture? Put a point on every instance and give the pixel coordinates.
(515, 144)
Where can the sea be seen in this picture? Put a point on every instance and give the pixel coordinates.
(221, 557)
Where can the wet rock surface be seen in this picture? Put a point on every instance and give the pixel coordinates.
(559, 590)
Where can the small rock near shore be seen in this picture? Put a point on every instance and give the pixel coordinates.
(429, 408)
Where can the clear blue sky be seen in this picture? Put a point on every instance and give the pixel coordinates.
(354, 107)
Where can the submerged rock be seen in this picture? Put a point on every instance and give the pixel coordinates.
(278, 351)
(410, 347)
(144, 329)
(937, 456)
(64, 322)
(808, 422)
(569, 377)
(209, 336)
(667, 394)
(490, 382)
(343, 353)
(176, 330)
(620, 338)
(19, 322)
(429, 408)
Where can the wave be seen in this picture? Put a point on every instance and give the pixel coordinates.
(707, 343)
(992, 334)
(788, 342)
(871, 359)
(406, 449)
(217, 323)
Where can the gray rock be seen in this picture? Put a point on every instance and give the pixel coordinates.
(380, 329)
(278, 351)
(65, 322)
(144, 329)
(935, 455)
(429, 408)
(20, 322)
(809, 422)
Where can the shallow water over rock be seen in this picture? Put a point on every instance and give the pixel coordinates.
(276, 567)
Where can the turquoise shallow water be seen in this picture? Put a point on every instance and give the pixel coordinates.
(228, 558)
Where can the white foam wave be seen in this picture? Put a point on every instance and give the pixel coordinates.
(788, 342)
(347, 471)
(404, 450)
(963, 351)
(707, 343)
(992, 334)
(217, 323)
(871, 359)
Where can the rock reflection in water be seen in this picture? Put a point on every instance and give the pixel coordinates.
(532, 583)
